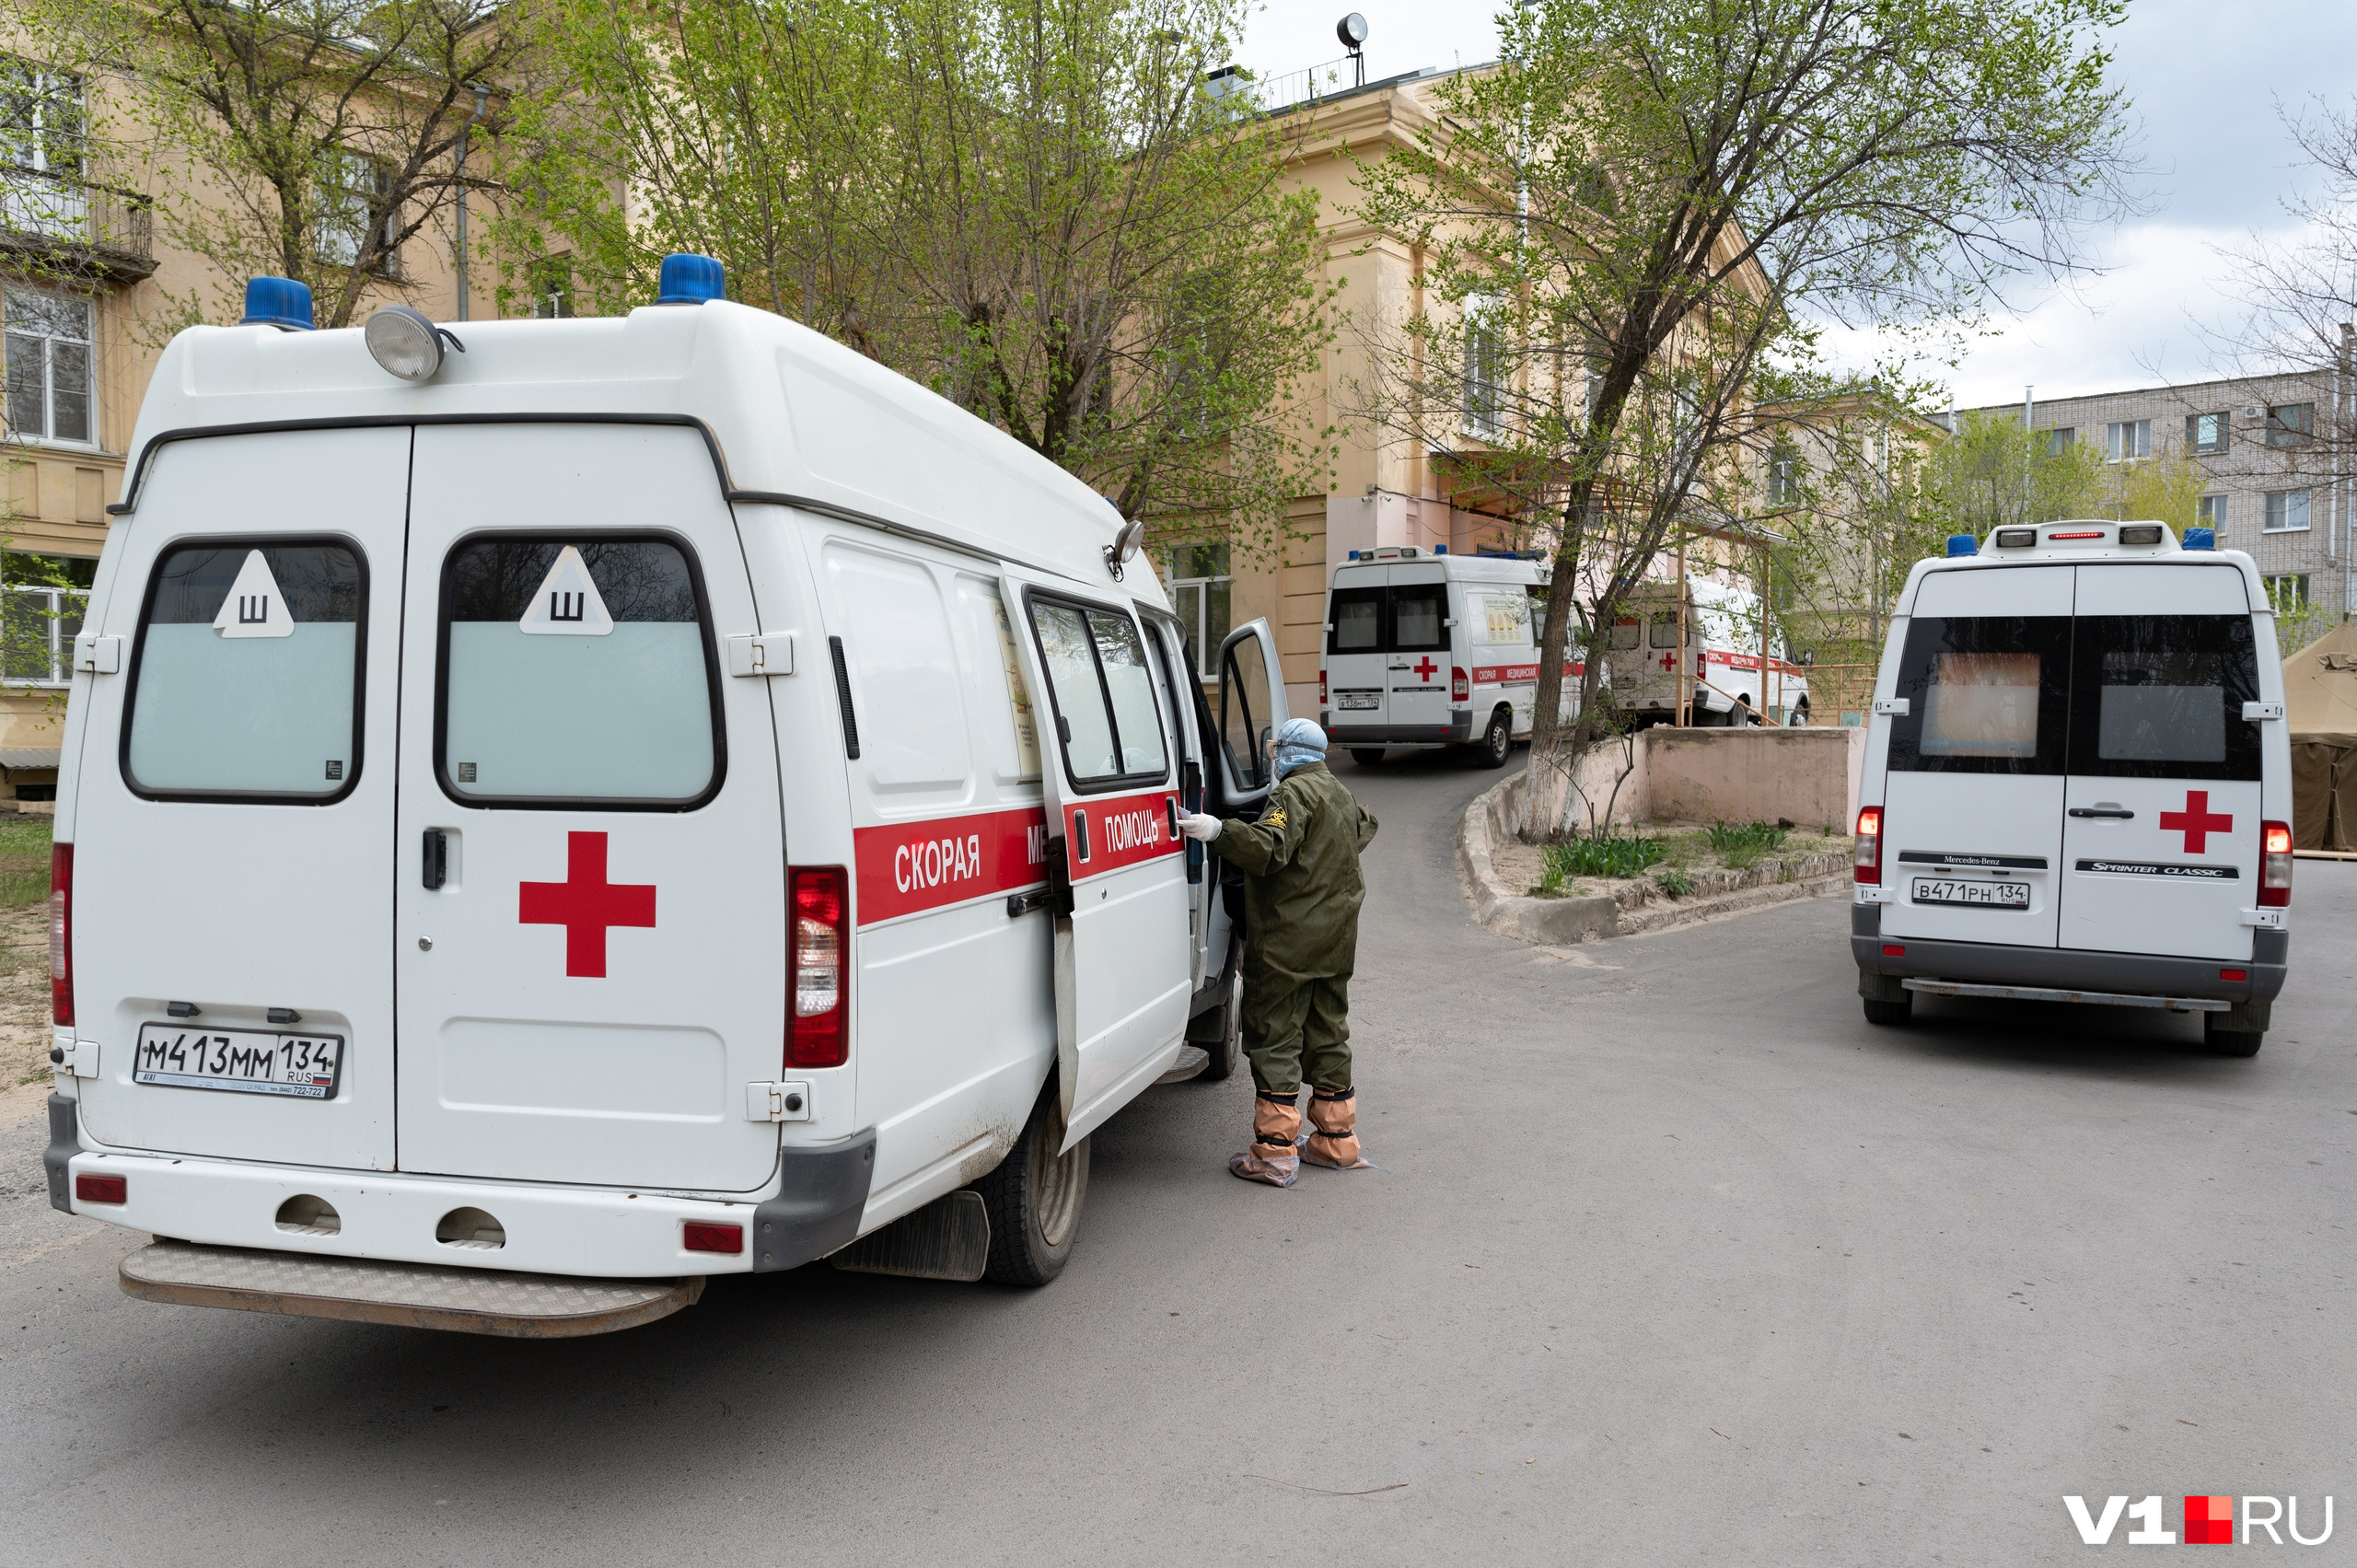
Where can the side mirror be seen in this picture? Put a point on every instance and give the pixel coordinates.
(1806, 659)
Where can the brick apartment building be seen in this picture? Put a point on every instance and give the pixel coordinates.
(2279, 473)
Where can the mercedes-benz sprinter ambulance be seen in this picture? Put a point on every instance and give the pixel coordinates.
(1725, 683)
(636, 799)
(1426, 650)
(2077, 782)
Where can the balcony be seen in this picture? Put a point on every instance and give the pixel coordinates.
(76, 226)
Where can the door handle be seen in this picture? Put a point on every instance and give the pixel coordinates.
(2120, 812)
(437, 859)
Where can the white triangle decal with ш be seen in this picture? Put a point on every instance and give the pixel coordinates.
(255, 608)
(567, 604)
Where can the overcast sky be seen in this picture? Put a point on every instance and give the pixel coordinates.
(2203, 79)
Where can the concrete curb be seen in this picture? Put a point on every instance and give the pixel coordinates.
(1556, 921)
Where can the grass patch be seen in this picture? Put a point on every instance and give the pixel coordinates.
(1675, 882)
(1597, 857)
(1738, 838)
(23, 860)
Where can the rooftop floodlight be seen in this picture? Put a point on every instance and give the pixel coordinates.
(406, 343)
(1352, 30)
(690, 279)
(278, 302)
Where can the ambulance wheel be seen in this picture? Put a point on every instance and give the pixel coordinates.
(1366, 755)
(2230, 1042)
(1889, 1013)
(1497, 741)
(1219, 1034)
(1034, 1199)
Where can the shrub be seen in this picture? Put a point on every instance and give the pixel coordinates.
(1675, 882)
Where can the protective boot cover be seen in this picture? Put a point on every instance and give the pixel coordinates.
(1334, 1135)
(1276, 1130)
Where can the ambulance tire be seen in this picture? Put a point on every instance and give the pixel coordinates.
(1034, 1199)
(1219, 1033)
(1497, 741)
(1887, 1014)
(2231, 1042)
(1366, 755)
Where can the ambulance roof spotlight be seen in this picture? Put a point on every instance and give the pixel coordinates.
(278, 302)
(406, 343)
(690, 279)
(1124, 547)
(1963, 544)
(2200, 538)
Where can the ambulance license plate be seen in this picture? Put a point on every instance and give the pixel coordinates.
(247, 1061)
(1347, 699)
(1992, 895)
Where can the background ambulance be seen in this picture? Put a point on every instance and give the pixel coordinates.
(2078, 781)
(1432, 650)
(640, 798)
(1722, 657)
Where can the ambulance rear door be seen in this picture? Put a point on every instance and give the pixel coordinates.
(2161, 841)
(1124, 968)
(591, 922)
(1972, 808)
(232, 874)
(1417, 654)
(1357, 682)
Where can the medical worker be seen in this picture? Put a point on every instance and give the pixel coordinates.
(1302, 891)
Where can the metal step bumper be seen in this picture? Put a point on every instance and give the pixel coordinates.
(415, 1295)
(1934, 987)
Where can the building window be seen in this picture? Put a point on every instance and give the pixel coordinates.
(2290, 424)
(2206, 432)
(1198, 592)
(2289, 592)
(2060, 439)
(552, 281)
(1485, 353)
(41, 150)
(2210, 512)
(2128, 440)
(350, 186)
(48, 351)
(2287, 511)
(1783, 476)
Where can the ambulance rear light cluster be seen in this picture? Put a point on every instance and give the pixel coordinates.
(1461, 686)
(61, 933)
(1868, 862)
(818, 900)
(2274, 864)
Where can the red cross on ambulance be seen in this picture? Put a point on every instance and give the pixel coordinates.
(2196, 823)
(586, 904)
(1425, 668)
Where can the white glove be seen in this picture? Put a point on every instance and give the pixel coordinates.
(1199, 825)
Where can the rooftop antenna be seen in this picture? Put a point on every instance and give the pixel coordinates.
(1352, 30)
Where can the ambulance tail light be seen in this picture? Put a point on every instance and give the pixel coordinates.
(819, 901)
(61, 933)
(1321, 688)
(2274, 864)
(1461, 689)
(1869, 858)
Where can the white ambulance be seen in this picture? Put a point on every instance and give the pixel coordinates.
(1723, 663)
(1426, 650)
(636, 799)
(2078, 781)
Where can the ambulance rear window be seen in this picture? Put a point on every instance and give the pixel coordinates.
(576, 669)
(2161, 696)
(1985, 694)
(246, 683)
(1358, 621)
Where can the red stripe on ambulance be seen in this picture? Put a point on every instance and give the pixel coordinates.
(908, 867)
(1124, 831)
(1517, 674)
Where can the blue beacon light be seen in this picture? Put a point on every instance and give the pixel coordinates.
(690, 279)
(2200, 538)
(1963, 544)
(278, 302)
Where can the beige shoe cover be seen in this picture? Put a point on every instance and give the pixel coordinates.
(1276, 1128)
(1334, 1136)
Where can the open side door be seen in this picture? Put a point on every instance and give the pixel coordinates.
(1251, 707)
(1116, 875)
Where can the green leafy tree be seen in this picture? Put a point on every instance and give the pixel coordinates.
(1034, 206)
(1645, 202)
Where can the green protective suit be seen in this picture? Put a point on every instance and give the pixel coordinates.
(1302, 892)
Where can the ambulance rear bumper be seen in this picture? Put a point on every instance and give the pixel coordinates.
(1459, 729)
(607, 1233)
(2066, 968)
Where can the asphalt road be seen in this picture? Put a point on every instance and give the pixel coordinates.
(1673, 1259)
